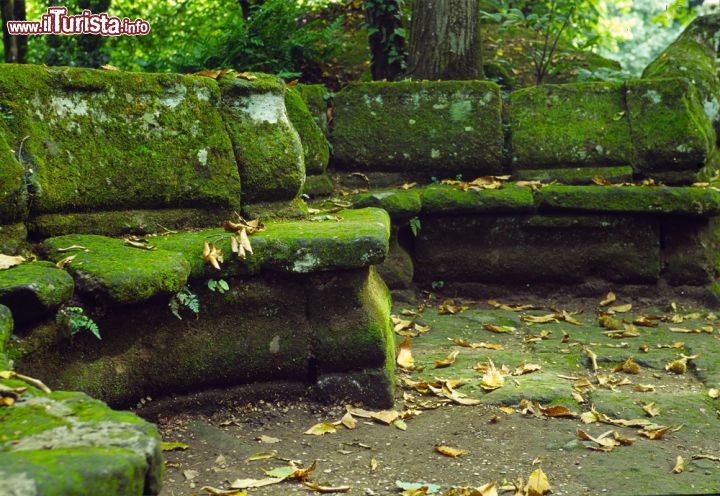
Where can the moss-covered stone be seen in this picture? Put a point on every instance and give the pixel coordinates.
(267, 147)
(67, 443)
(110, 140)
(350, 315)
(570, 125)
(13, 190)
(690, 250)
(670, 131)
(316, 149)
(6, 328)
(693, 56)
(125, 222)
(400, 204)
(445, 199)
(577, 175)
(13, 239)
(33, 290)
(543, 249)
(398, 269)
(631, 199)
(358, 240)
(321, 185)
(420, 126)
(276, 210)
(316, 97)
(122, 273)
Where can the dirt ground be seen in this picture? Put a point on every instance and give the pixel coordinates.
(502, 445)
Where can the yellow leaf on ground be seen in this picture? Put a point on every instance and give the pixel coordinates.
(651, 410)
(253, 483)
(629, 366)
(526, 368)
(212, 255)
(679, 465)
(610, 298)
(321, 429)
(449, 307)
(451, 452)
(492, 379)
(349, 421)
(325, 489)
(714, 393)
(621, 308)
(214, 491)
(405, 358)
(592, 356)
(540, 319)
(447, 362)
(557, 411)
(654, 431)
(386, 417)
(499, 329)
(538, 483)
(644, 388)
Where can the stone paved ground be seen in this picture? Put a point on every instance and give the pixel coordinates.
(502, 444)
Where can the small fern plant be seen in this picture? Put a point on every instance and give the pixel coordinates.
(76, 320)
(184, 299)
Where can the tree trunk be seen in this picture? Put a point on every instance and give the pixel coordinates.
(83, 50)
(445, 40)
(387, 40)
(15, 46)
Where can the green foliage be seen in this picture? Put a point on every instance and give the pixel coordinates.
(218, 285)
(415, 225)
(279, 37)
(76, 320)
(384, 19)
(438, 285)
(546, 19)
(184, 299)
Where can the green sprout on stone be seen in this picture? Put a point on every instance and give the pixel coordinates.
(76, 320)
(184, 299)
(415, 225)
(218, 285)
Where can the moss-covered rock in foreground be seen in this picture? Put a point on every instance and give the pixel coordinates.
(570, 125)
(669, 129)
(316, 149)
(122, 273)
(6, 329)
(316, 97)
(631, 199)
(68, 443)
(419, 126)
(267, 147)
(110, 140)
(32, 290)
(13, 239)
(321, 185)
(445, 199)
(358, 239)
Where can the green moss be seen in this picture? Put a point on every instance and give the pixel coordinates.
(442, 199)
(316, 149)
(13, 191)
(351, 320)
(125, 222)
(397, 270)
(6, 329)
(631, 199)
(400, 204)
(576, 176)
(277, 210)
(267, 147)
(109, 140)
(316, 97)
(13, 239)
(122, 273)
(114, 471)
(419, 126)
(670, 131)
(692, 56)
(570, 125)
(32, 290)
(321, 185)
(358, 240)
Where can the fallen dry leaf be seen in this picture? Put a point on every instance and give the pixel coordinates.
(253, 483)
(386, 417)
(557, 412)
(526, 368)
(439, 364)
(629, 366)
(651, 410)
(679, 366)
(538, 483)
(499, 329)
(644, 388)
(511, 307)
(714, 393)
(492, 379)
(679, 465)
(610, 298)
(65, 261)
(467, 344)
(325, 489)
(212, 255)
(654, 432)
(451, 452)
(214, 491)
(592, 356)
(540, 319)
(405, 358)
(321, 429)
(349, 421)
(620, 308)
(449, 307)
